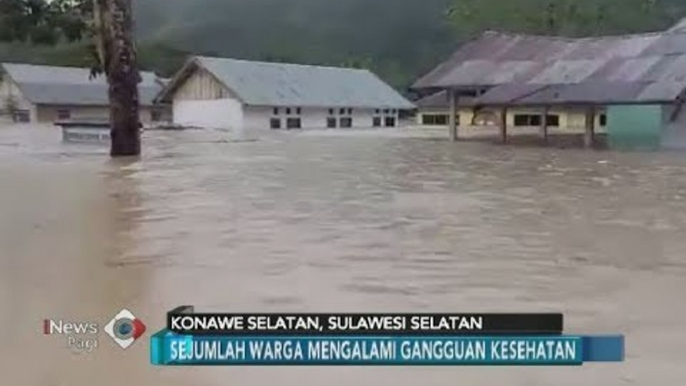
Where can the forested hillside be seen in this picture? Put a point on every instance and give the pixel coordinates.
(396, 37)
(399, 39)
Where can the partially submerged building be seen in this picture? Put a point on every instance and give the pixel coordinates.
(634, 84)
(239, 94)
(33, 93)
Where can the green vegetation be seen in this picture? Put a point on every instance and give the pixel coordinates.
(399, 39)
(565, 17)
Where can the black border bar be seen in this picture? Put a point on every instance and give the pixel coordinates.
(403, 323)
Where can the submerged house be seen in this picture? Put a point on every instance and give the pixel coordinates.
(632, 84)
(33, 93)
(246, 95)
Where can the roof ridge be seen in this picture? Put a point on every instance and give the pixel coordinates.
(580, 38)
(47, 66)
(283, 63)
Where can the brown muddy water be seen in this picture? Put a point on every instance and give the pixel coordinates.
(321, 223)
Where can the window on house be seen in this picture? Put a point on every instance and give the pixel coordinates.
(376, 122)
(350, 111)
(293, 123)
(553, 120)
(434, 119)
(341, 111)
(276, 111)
(377, 111)
(346, 122)
(603, 119)
(390, 122)
(527, 120)
(331, 112)
(299, 111)
(156, 115)
(386, 111)
(22, 116)
(275, 123)
(331, 123)
(521, 120)
(63, 114)
(288, 111)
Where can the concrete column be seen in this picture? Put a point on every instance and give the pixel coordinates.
(544, 125)
(590, 127)
(503, 125)
(452, 119)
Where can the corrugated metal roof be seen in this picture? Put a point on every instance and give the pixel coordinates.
(680, 26)
(281, 84)
(50, 85)
(540, 69)
(440, 100)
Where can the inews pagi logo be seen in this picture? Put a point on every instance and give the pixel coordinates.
(83, 336)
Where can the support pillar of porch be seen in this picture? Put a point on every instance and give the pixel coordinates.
(544, 125)
(503, 125)
(452, 120)
(589, 133)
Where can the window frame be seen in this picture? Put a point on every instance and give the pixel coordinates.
(345, 122)
(602, 120)
(552, 120)
(156, 115)
(63, 114)
(275, 124)
(21, 116)
(392, 120)
(293, 123)
(435, 119)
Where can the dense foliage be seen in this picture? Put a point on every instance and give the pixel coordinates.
(42, 22)
(399, 39)
(566, 17)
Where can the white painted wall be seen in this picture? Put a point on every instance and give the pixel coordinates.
(9, 89)
(231, 114)
(215, 114)
(315, 118)
(363, 118)
(256, 118)
(259, 117)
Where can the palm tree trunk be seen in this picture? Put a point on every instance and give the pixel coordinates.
(114, 22)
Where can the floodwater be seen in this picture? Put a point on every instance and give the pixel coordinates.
(322, 223)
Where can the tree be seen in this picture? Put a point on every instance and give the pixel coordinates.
(110, 24)
(116, 55)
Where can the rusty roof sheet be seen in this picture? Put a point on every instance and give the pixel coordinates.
(632, 68)
(580, 93)
(440, 100)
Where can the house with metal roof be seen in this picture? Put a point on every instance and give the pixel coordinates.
(35, 93)
(545, 81)
(239, 94)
